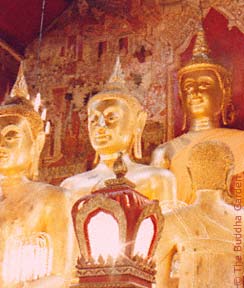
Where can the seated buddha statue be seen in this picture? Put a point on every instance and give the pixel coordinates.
(35, 222)
(116, 121)
(205, 94)
(207, 235)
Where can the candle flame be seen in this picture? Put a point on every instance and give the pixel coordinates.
(47, 128)
(44, 114)
(37, 102)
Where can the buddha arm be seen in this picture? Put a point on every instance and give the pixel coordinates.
(162, 185)
(160, 157)
(158, 184)
(59, 227)
(164, 256)
(169, 185)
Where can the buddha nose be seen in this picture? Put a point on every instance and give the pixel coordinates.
(101, 121)
(194, 92)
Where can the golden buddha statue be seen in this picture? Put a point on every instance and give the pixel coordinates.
(205, 94)
(116, 121)
(35, 222)
(206, 235)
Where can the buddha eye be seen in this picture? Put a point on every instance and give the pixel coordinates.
(94, 119)
(188, 87)
(204, 85)
(11, 136)
(111, 117)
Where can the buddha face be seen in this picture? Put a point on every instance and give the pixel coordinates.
(110, 125)
(15, 145)
(202, 94)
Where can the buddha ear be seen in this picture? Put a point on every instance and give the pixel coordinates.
(40, 141)
(37, 147)
(141, 122)
(228, 114)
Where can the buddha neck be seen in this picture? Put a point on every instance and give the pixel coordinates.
(207, 198)
(109, 159)
(203, 123)
(8, 182)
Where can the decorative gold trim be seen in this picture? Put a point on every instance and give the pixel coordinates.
(136, 266)
(152, 210)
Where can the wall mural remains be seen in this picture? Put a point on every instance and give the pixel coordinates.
(78, 52)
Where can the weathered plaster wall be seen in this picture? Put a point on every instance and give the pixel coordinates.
(77, 56)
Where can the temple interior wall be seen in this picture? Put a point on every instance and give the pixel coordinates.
(78, 52)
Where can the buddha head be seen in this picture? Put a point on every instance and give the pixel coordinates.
(210, 165)
(21, 138)
(115, 119)
(205, 89)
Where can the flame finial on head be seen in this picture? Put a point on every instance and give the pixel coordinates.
(117, 78)
(20, 88)
(201, 50)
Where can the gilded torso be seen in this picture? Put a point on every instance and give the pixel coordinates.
(155, 183)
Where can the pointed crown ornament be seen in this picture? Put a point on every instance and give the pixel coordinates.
(117, 78)
(115, 88)
(201, 56)
(201, 61)
(20, 88)
(19, 104)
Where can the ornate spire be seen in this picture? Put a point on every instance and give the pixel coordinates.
(20, 87)
(117, 78)
(201, 50)
(120, 169)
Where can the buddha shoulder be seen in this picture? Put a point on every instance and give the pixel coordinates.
(87, 180)
(153, 182)
(46, 192)
(143, 171)
(163, 154)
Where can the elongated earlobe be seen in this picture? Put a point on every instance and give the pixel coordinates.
(141, 122)
(35, 154)
(96, 159)
(228, 114)
(184, 121)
